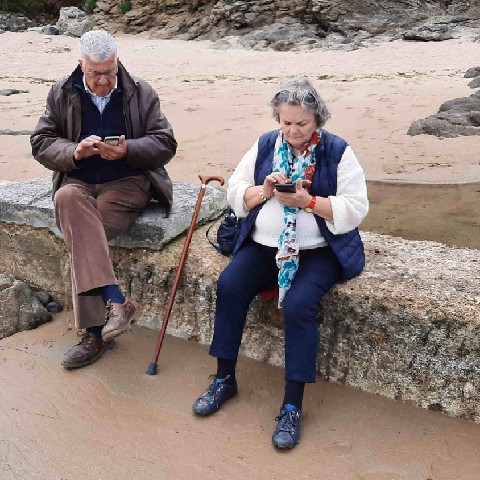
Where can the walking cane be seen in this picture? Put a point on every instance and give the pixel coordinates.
(152, 369)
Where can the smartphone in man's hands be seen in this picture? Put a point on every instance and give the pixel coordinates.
(286, 187)
(112, 141)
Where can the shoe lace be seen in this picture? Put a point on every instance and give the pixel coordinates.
(214, 388)
(288, 420)
(110, 309)
(84, 338)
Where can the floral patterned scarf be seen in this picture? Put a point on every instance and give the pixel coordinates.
(288, 255)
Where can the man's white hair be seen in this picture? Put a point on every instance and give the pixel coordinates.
(99, 45)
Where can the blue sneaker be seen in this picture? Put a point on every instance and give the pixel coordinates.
(216, 395)
(287, 431)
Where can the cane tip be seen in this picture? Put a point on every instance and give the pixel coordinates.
(152, 369)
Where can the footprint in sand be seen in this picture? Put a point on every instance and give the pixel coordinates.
(341, 447)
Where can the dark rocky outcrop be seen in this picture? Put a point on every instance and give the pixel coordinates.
(296, 24)
(460, 116)
(15, 22)
(282, 25)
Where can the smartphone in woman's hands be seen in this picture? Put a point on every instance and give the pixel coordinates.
(285, 187)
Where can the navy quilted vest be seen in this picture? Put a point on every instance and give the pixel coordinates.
(348, 247)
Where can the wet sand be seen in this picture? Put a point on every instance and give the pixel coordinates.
(444, 213)
(112, 421)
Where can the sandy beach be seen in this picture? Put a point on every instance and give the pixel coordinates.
(217, 101)
(110, 421)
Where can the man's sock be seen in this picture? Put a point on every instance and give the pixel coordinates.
(226, 367)
(293, 393)
(112, 293)
(97, 331)
(108, 292)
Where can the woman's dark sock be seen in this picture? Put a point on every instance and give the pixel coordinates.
(294, 393)
(97, 331)
(226, 367)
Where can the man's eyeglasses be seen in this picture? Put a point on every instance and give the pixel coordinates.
(301, 97)
(107, 73)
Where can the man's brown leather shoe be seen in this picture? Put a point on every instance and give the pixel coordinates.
(119, 317)
(88, 350)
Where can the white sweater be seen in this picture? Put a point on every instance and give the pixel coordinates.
(349, 205)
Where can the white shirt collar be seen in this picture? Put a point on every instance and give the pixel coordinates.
(94, 94)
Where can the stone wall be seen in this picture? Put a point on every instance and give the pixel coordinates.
(408, 327)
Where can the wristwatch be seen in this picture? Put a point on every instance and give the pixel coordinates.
(311, 205)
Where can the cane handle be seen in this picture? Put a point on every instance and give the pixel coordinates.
(206, 179)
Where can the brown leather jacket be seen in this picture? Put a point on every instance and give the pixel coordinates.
(150, 140)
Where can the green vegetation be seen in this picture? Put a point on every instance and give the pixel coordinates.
(18, 5)
(90, 5)
(33, 7)
(125, 6)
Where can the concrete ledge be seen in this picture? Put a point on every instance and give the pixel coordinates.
(30, 203)
(407, 328)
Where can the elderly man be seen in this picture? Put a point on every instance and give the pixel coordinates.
(106, 140)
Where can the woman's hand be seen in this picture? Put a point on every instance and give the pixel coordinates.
(271, 180)
(300, 199)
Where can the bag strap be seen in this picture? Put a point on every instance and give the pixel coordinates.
(216, 247)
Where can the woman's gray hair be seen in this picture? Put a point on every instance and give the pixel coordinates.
(299, 91)
(99, 45)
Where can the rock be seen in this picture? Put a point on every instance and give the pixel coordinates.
(44, 297)
(16, 132)
(475, 83)
(73, 22)
(472, 72)
(14, 22)
(20, 309)
(50, 30)
(455, 117)
(221, 45)
(54, 307)
(429, 33)
(11, 91)
(20, 202)
(279, 37)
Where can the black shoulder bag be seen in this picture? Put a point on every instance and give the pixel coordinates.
(227, 233)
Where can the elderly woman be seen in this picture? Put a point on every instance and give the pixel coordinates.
(306, 240)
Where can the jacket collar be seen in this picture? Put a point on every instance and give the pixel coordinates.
(129, 84)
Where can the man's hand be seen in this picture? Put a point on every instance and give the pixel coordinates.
(87, 147)
(113, 152)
